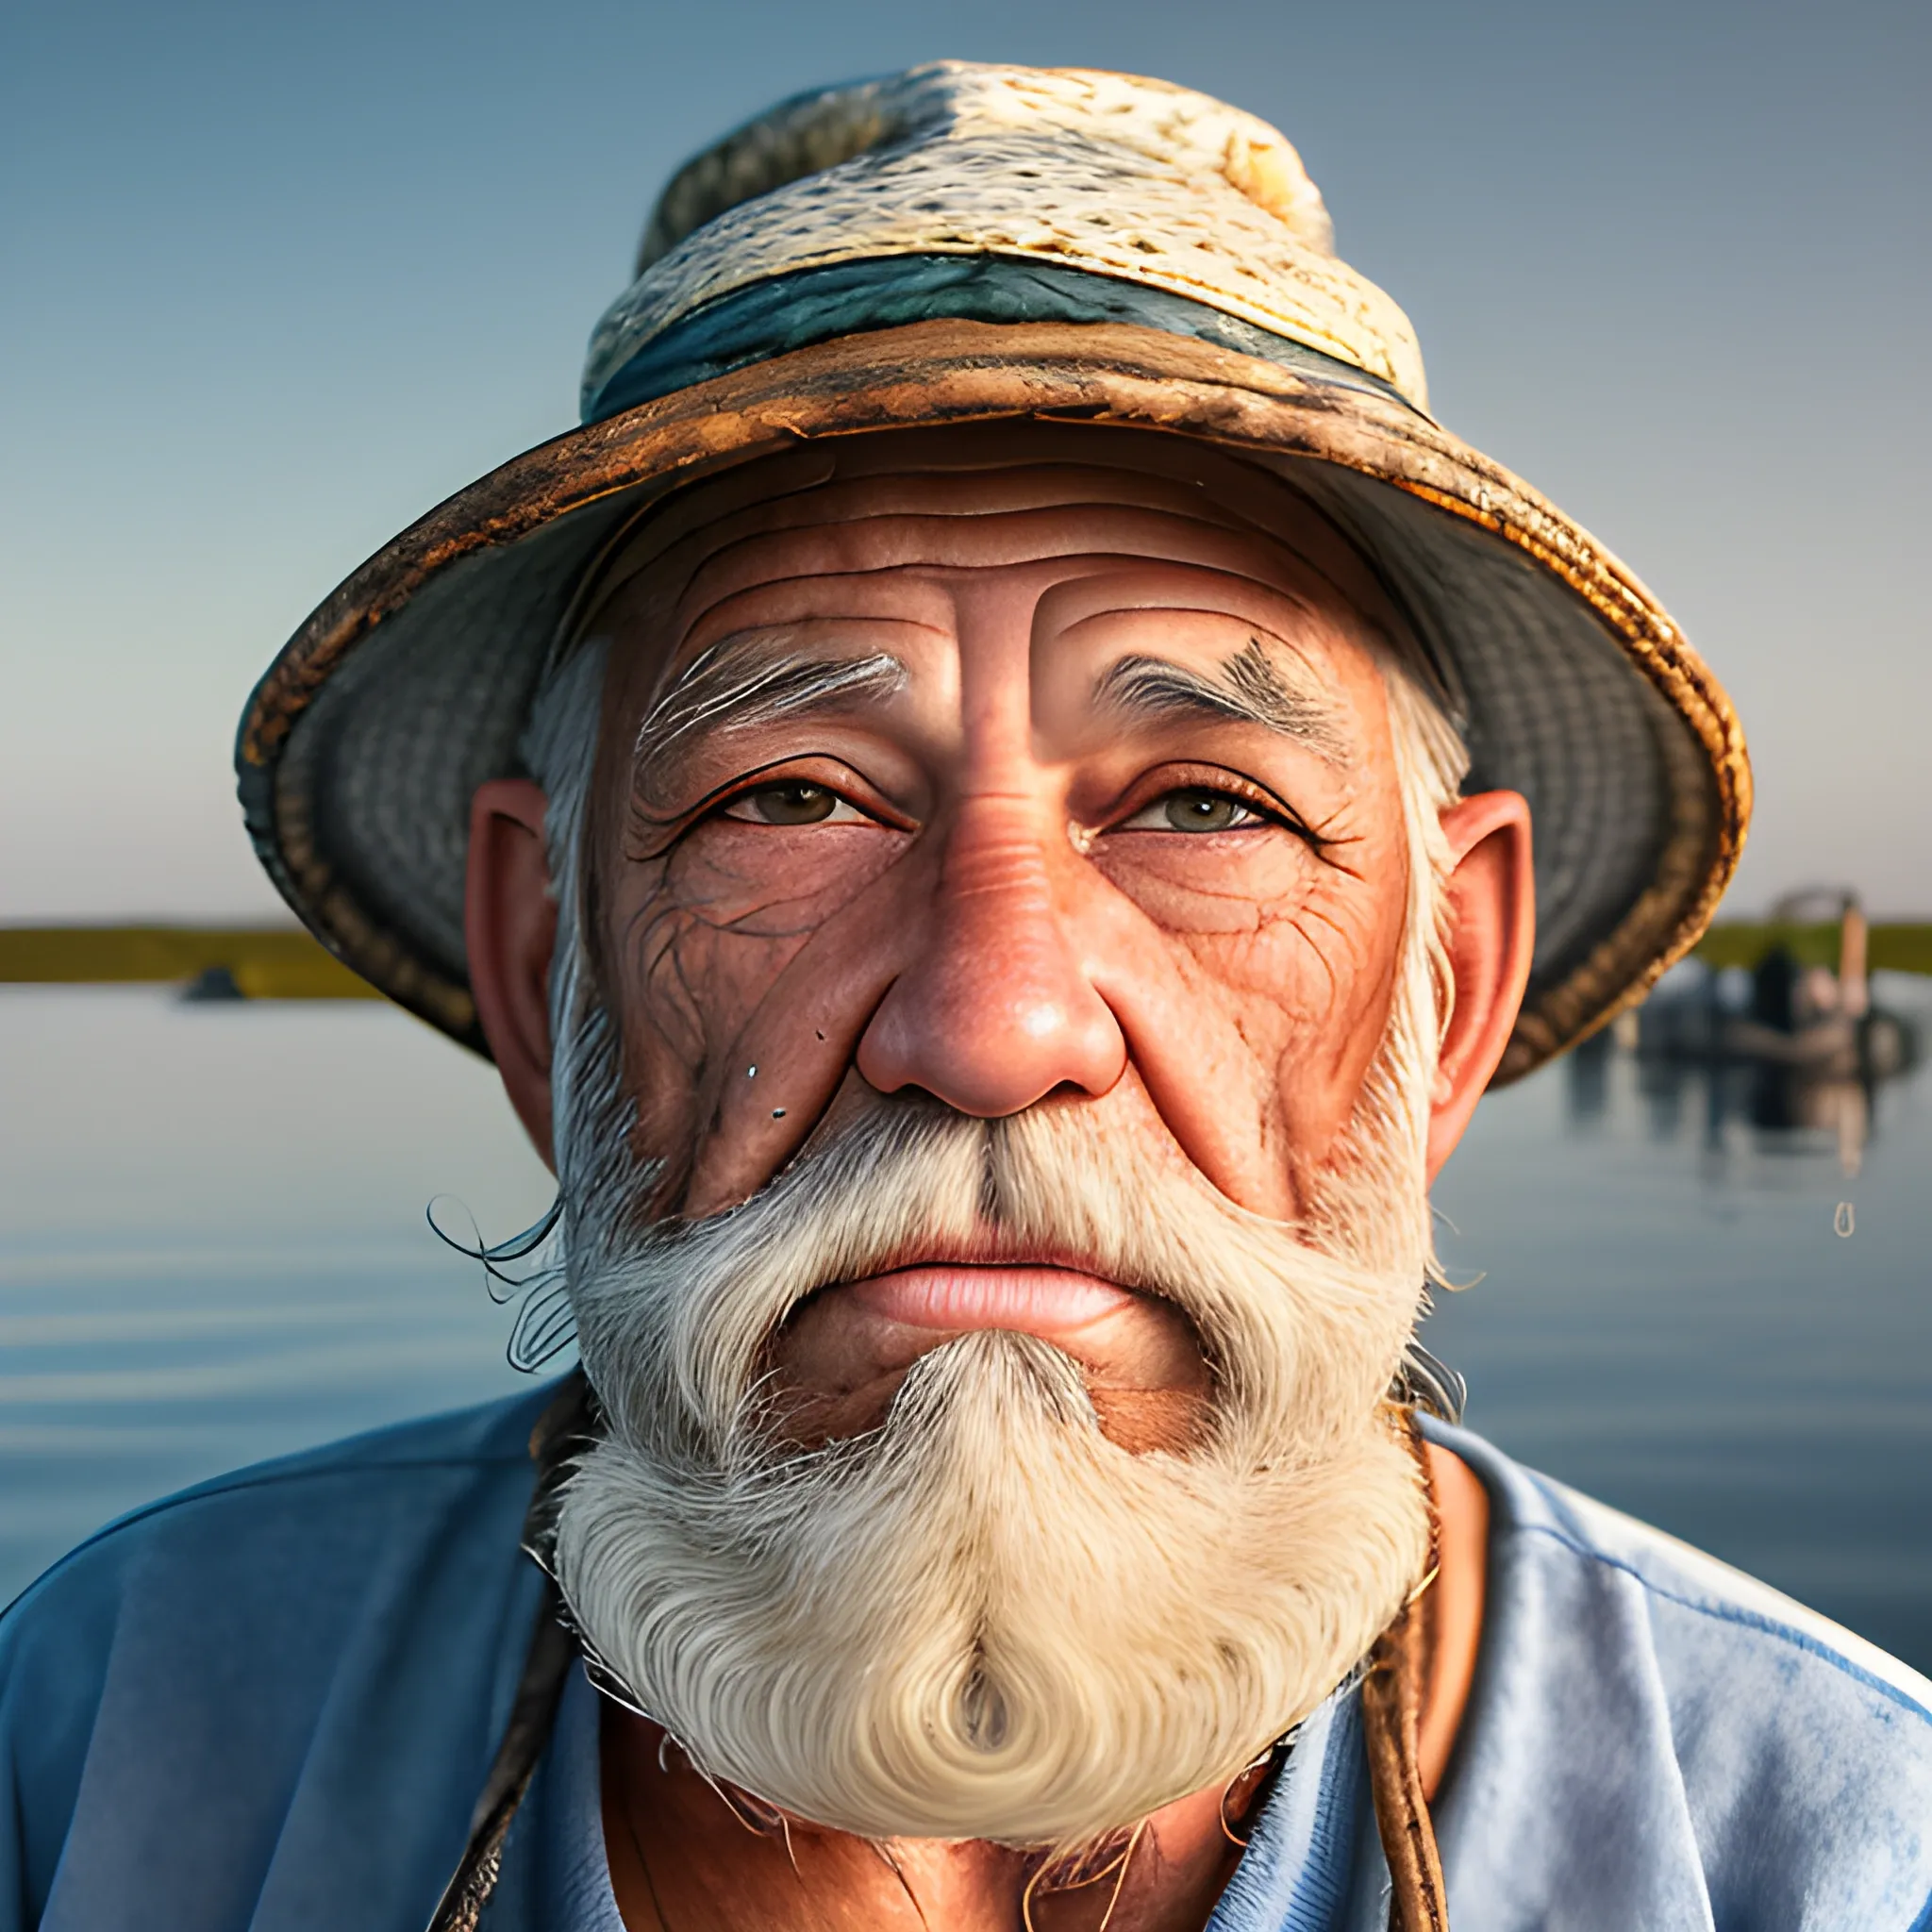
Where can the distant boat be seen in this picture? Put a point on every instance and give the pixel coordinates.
(212, 983)
(1814, 1018)
(1805, 1039)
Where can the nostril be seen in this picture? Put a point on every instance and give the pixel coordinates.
(1070, 1090)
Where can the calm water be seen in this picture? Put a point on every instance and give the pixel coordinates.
(213, 1250)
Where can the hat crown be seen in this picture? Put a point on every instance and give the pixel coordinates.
(1109, 176)
(827, 127)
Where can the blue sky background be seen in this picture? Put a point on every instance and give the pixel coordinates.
(274, 278)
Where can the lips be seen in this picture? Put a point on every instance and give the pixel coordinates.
(955, 1296)
(840, 1359)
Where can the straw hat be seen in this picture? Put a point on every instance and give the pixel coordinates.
(964, 242)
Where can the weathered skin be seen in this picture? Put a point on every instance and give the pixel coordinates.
(997, 905)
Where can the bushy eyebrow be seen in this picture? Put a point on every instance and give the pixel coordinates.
(1250, 688)
(750, 680)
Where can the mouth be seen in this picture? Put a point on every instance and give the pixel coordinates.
(1051, 1300)
(840, 1357)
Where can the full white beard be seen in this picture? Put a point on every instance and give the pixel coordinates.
(985, 1619)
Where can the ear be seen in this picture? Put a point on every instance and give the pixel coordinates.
(510, 927)
(1491, 937)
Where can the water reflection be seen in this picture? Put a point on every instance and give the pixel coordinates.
(1587, 1082)
(1786, 1050)
(1701, 1294)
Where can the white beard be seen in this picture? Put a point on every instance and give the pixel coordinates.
(985, 1619)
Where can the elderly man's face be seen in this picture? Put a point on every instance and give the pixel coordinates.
(1035, 784)
(1000, 882)
(1022, 787)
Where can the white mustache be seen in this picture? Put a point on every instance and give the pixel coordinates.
(909, 1176)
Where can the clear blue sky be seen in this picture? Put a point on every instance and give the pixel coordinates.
(273, 278)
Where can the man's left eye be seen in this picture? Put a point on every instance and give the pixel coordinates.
(1194, 808)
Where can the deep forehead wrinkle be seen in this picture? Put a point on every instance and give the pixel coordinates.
(989, 539)
(716, 517)
(750, 679)
(1251, 687)
(673, 540)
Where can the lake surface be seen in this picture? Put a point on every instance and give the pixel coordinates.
(213, 1250)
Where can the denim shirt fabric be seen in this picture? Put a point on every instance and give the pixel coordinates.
(1294, 1877)
(268, 1703)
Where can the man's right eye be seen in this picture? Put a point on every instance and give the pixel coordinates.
(791, 802)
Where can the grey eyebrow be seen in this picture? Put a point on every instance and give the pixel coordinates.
(1250, 690)
(750, 680)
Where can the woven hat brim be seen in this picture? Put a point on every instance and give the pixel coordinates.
(363, 743)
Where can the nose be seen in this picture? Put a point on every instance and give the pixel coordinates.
(995, 1008)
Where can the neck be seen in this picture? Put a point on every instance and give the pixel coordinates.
(682, 1860)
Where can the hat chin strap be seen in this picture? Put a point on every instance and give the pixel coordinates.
(1391, 1702)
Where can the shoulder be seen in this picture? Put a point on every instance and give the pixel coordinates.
(466, 1443)
(286, 1531)
(1646, 1712)
(296, 1636)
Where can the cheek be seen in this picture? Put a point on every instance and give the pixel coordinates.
(1255, 1001)
(771, 881)
(705, 928)
(1306, 995)
(1268, 929)
(735, 926)
(1211, 884)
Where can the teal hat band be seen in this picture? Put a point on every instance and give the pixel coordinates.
(794, 311)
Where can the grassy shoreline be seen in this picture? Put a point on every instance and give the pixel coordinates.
(286, 963)
(1895, 946)
(266, 962)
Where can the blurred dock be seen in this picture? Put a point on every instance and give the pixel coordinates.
(1791, 993)
(1778, 1020)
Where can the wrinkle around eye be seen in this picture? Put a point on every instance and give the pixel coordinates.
(1193, 883)
(739, 879)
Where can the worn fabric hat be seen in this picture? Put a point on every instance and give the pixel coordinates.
(964, 242)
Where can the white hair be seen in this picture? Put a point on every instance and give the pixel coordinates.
(590, 1117)
(984, 1619)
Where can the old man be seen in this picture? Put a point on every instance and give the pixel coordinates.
(982, 807)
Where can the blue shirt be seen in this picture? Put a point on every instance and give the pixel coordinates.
(270, 1702)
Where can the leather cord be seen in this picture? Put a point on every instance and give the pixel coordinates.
(561, 1431)
(1389, 1704)
(552, 1650)
(1391, 1695)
